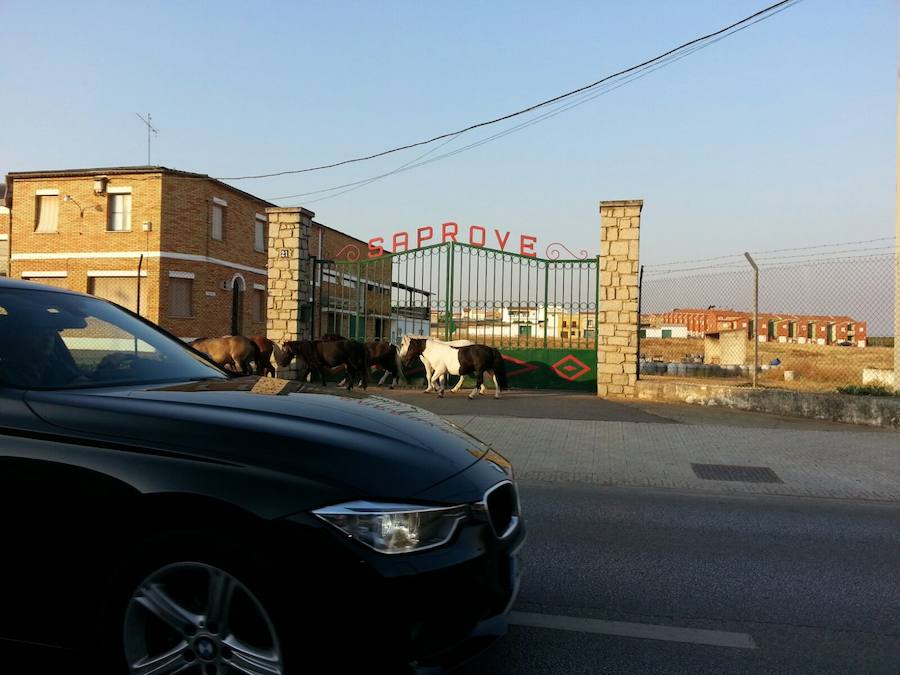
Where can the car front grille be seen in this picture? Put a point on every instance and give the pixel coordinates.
(502, 505)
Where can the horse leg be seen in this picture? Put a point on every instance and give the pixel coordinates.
(429, 373)
(458, 384)
(384, 377)
(496, 385)
(437, 377)
(479, 383)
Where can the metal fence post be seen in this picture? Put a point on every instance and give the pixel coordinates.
(449, 316)
(755, 315)
(640, 295)
(312, 298)
(546, 297)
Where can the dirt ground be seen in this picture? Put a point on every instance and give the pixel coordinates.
(816, 367)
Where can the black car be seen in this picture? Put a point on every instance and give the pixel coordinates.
(158, 515)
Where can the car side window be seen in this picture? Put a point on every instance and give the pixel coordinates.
(103, 349)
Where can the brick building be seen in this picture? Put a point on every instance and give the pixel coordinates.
(195, 246)
(793, 328)
(344, 291)
(4, 233)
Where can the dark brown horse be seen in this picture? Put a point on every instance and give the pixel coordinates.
(232, 352)
(315, 356)
(266, 349)
(387, 357)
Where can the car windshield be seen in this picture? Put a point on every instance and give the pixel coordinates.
(51, 340)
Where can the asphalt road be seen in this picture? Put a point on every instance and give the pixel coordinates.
(613, 576)
(562, 405)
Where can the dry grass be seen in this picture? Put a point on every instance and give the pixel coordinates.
(816, 367)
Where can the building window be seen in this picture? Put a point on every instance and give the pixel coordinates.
(217, 231)
(259, 238)
(180, 297)
(46, 215)
(259, 305)
(121, 290)
(119, 209)
(564, 324)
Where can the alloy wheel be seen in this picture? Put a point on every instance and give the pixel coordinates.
(197, 619)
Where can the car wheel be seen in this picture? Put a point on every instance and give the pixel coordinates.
(193, 617)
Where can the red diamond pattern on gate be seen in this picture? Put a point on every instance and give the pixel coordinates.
(570, 368)
(526, 367)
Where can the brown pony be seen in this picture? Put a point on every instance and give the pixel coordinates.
(234, 351)
(266, 349)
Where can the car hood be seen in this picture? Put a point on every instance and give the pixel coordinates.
(370, 445)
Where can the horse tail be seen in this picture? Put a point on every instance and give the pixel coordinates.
(499, 365)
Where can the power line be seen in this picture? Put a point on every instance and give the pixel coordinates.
(774, 250)
(670, 275)
(768, 10)
(584, 97)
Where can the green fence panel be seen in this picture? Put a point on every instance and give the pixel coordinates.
(540, 312)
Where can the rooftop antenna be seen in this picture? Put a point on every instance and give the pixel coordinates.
(150, 128)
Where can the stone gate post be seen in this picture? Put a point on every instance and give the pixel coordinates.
(290, 283)
(617, 348)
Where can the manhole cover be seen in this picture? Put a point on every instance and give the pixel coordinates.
(733, 472)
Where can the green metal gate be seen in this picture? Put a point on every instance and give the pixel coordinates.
(541, 313)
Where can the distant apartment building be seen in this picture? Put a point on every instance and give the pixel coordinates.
(185, 250)
(786, 328)
(528, 321)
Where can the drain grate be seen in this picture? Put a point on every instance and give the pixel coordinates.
(732, 472)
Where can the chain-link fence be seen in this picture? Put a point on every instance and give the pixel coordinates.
(824, 320)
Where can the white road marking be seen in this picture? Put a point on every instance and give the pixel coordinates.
(716, 638)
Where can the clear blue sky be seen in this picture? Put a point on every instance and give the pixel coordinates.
(783, 135)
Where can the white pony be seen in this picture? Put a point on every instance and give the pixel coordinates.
(443, 358)
(429, 370)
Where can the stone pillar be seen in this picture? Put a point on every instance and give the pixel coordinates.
(290, 276)
(617, 350)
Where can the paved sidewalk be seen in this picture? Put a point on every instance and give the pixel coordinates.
(812, 463)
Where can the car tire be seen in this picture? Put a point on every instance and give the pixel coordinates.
(173, 577)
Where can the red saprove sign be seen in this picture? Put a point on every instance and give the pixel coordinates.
(474, 235)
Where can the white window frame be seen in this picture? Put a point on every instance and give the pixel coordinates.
(39, 196)
(259, 233)
(215, 228)
(114, 193)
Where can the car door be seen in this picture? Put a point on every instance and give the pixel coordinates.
(60, 515)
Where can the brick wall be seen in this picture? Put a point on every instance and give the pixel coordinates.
(4, 241)
(82, 231)
(351, 256)
(178, 211)
(187, 216)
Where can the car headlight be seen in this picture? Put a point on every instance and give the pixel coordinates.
(394, 528)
